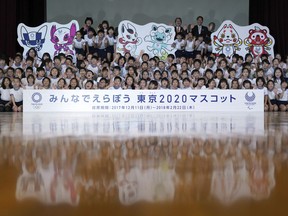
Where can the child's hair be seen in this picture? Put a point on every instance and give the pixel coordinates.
(46, 78)
(119, 78)
(3, 81)
(246, 82)
(262, 79)
(223, 80)
(89, 19)
(31, 76)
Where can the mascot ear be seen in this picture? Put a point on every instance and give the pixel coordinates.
(52, 31)
(251, 31)
(265, 31)
(23, 30)
(73, 30)
(168, 30)
(123, 29)
(154, 28)
(225, 26)
(43, 31)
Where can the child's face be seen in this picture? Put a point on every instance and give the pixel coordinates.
(73, 83)
(78, 35)
(143, 84)
(61, 83)
(245, 73)
(17, 83)
(174, 75)
(82, 73)
(46, 83)
(201, 83)
(260, 83)
(69, 74)
(186, 84)
(212, 84)
(247, 86)
(129, 81)
(41, 73)
(110, 32)
(223, 64)
(117, 83)
(223, 85)
(18, 59)
(197, 64)
(2, 62)
(157, 76)
(260, 73)
(184, 75)
(100, 34)
(116, 72)
(54, 72)
(270, 85)
(232, 74)
(175, 83)
(164, 83)
(88, 85)
(7, 82)
(89, 75)
(102, 84)
(30, 80)
(278, 73)
(284, 85)
(234, 85)
(219, 74)
(209, 75)
(90, 34)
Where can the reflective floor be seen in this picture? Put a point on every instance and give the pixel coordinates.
(144, 164)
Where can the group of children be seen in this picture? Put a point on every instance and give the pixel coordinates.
(99, 66)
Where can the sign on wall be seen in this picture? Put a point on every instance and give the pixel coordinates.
(143, 101)
(52, 37)
(231, 38)
(152, 38)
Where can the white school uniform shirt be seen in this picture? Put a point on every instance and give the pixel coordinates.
(285, 95)
(5, 94)
(79, 44)
(189, 46)
(88, 40)
(38, 81)
(18, 94)
(271, 94)
(28, 87)
(179, 44)
(111, 40)
(102, 43)
(54, 81)
(113, 88)
(93, 68)
(264, 89)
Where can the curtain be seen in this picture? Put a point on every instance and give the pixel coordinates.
(273, 15)
(13, 12)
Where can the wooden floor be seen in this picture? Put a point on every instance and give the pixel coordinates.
(144, 164)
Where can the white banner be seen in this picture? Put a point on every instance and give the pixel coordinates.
(152, 38)
(50, 37)
(232, 39)
(143, 101)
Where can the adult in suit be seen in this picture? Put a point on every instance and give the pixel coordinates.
(178, 27)
(199, 29)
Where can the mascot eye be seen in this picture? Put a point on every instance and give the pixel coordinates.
(56, 38)
(233, 35)
(253, 36)
(66, 36)
(128, 36)
(262, 36)
(222, 35)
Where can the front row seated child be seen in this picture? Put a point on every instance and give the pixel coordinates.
(16, 94)
(5, 99)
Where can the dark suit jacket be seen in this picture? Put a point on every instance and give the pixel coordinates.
(204, 31)
(182, 31)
